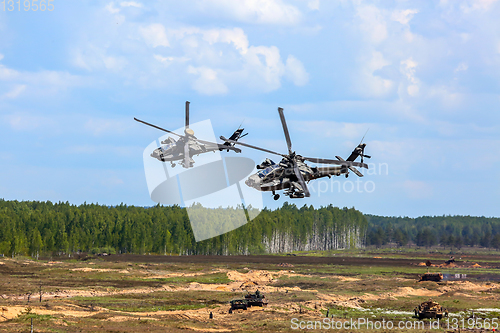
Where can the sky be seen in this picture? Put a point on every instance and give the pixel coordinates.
(423, 77)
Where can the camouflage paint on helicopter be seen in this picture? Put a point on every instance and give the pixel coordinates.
(188, 145)
(291, 173)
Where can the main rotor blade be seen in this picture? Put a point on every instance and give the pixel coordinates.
(353, 169)
(327, 161)
(187, 159)
(285, 129)
(301, 179)
(157, 127)
(250, 146)
(356, 171)
(187, 114)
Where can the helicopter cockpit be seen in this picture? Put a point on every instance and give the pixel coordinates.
(166, 147)
(268, 170)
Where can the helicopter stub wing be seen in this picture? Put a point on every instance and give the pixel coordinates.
(328, 171)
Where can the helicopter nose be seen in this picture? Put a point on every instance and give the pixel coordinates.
(252, 181)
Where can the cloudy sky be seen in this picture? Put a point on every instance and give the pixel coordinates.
(422, 76)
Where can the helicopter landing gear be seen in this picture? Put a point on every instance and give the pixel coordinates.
(173, 165)
(276, 197)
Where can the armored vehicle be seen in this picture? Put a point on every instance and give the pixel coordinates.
(430, 309)
(436, 277)
(238, 304)
(257, 299)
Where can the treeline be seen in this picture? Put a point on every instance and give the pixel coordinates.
(36, 228)
(427, 231)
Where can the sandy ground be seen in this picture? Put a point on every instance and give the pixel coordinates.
(240, 282)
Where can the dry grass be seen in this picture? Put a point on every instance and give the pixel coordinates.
(106, 296)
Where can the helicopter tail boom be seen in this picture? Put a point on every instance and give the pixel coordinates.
(235, 137)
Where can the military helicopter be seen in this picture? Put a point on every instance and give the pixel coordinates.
(188, 145)
(291, 173)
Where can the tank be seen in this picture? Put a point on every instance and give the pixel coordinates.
(238, 304)
(430, 309)
(436, 277)
(257, 299)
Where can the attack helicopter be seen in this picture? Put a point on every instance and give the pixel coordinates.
(292, 173)
(187, 145)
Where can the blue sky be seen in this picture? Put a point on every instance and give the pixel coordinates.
(423, 76)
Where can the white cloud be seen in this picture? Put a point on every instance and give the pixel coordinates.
(155, 35)
(42, 83)
(207, 82)
(296, 72)
(223, 57)
(235, 36)
(265, 63)
(131, 4)
(366, 82)
(477, 5)
(403, 16)
(408, 69)
(163, 59)
(372, 23)
(449, 98)
(91, 57)
(313, 4)
(110, 7)
(22, 121)
(413, 90)
(334, 129)
(461, 67)
(7, 74)
(16, 91)
(109, 127)
(255, 11)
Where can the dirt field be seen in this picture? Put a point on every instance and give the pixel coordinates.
(132, 293)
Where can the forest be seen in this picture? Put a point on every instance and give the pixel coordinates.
(39, 228)
(426, 231)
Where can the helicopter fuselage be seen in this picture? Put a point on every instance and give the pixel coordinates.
(174, 150)
(281, 176)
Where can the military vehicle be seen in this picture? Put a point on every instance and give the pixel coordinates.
(436, 277)
(291, 173)
(188, 145)
(238, 304)
(257, 299)
(430, 309)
